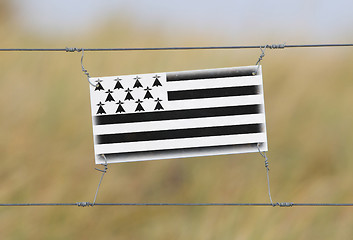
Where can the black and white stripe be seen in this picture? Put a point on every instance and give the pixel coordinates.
(207, 112)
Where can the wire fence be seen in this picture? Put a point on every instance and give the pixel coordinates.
(268, 46)
(89, 204)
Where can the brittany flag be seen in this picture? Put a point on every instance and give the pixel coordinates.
(178, 114)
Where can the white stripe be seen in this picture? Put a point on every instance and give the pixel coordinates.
(214, 102)
(178, 124)
(180, 143)
(183, 154)
(214, 83)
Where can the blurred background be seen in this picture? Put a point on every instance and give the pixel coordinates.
(46, 133)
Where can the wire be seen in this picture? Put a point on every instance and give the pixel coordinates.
(284, 204)
(88, 204)
(36, 204)
(263, 154)
(272, 46)
(104, 171)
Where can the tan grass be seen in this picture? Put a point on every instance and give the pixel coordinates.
(47, 149)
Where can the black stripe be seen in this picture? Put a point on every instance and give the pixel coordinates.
(213, 73)
(178, 133)
(177, 114)
(213, 92)
(172, 152)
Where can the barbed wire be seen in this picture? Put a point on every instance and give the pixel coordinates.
(268, 46)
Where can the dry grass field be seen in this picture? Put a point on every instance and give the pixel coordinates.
(47, 147)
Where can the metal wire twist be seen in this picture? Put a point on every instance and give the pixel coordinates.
(103, 173)
(263, 154)
(67, 49)
(262, 55)
(84, 204)
(83, 68)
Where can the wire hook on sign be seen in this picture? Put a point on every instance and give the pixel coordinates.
(67, 49)
(262, 55)
(263, 154)
(103, 172)
(84, 70)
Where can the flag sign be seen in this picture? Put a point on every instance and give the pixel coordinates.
(178, 114)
